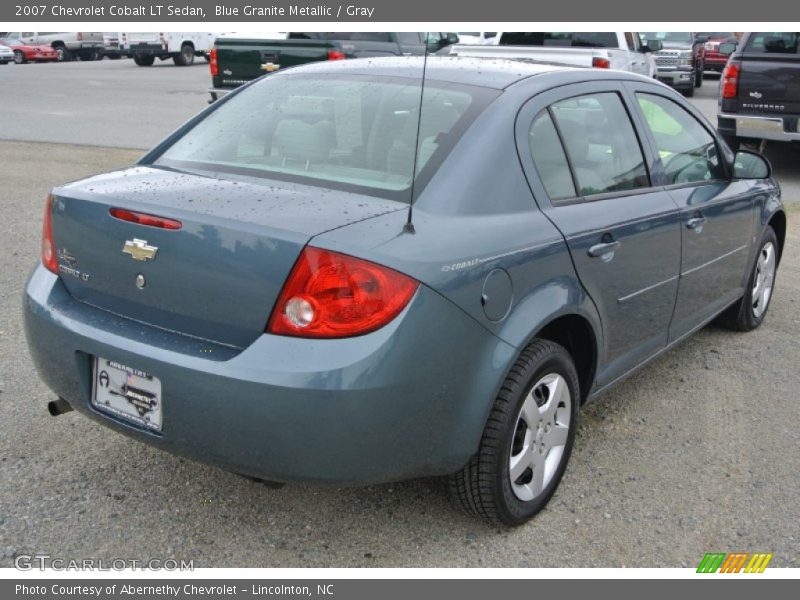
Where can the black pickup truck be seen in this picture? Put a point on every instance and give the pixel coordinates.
(236, 60)
(760, 89)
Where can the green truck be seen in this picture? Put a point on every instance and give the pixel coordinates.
(236, 60)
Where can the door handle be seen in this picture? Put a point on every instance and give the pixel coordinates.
(603, 249)
(696, 223)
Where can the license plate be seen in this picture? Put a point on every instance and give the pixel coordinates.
(127, 393)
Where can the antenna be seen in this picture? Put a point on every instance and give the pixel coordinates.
(409, 226)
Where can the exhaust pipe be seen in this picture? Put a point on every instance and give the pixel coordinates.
(58, 407)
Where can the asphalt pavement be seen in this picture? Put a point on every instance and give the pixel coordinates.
(697, 452)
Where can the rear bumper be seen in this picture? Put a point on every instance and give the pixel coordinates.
(217, 93)
(778, 128)
(405, 401)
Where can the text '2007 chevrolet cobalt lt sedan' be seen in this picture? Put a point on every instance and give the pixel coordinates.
(260, 292)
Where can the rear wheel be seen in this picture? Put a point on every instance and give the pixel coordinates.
(62, 54)
(143, 60)
(749, 312)
(527, 439)
(185, 57)
(19, 57)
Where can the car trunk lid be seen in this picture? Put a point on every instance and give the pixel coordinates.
(215, 278)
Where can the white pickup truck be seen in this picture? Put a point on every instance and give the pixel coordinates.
(182, 47)
(624, 51)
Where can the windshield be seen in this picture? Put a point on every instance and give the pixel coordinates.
(355, 133)
(773, 42)
(680, 36)
(11, 42)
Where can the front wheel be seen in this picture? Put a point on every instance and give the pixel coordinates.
(527, 440)
(698, 76)
(749, 312)
(19, 57)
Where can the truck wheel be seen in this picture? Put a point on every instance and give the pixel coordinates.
(749, 312)
(143, 60)
(734, 142)
(698, 77)
(689, 91)
(185, 57)
(62, 54)
(527, 439)
(19, 57)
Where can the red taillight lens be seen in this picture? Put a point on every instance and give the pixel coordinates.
(144, 219)
(48, 245)
(730, 80)
(601, 63)
(332, 295)
(336, 55)
(212, 62)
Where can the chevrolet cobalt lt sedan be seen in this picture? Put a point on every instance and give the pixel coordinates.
(336, 274)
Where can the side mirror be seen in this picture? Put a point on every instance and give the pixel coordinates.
(727, 48)
(701, 39)
(652, 46)
(452, 38)
(750, 165)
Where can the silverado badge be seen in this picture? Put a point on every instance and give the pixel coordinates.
(139, 250)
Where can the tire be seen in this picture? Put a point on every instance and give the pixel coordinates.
(484, 487)
(698, 77)
(19, 57)
(185, 57)
(63, 55)
(144, 60)
(749, 312)
(689, 92)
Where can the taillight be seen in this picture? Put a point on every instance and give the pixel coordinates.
(730, 80)
(332, 295)
(336, 55)
(144, 219)
(212, 62)
(49, 259)
(601, 63)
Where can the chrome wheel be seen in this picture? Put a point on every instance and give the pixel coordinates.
(540, 436)
(763, 279)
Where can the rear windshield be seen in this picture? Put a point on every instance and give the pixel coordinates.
(354, 133)
(664, 36)
(569, 40)
(773, 43)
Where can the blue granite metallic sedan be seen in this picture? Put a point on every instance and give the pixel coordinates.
(337, 274)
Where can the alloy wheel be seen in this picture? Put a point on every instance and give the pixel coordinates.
(764, 279)
(540, 436)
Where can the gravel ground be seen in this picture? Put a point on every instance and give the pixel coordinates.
(697, 452)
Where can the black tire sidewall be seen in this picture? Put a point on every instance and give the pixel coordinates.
(514, 511)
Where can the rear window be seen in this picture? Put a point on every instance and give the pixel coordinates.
(354, 133)
(773, 43)
(362, 36)
(668, 36)
(569, 40)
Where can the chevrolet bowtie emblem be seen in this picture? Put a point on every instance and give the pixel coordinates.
(269, 67)
(139, 250)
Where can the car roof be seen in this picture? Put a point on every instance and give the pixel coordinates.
(497, 73)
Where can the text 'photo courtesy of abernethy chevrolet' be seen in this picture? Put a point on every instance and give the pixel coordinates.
(378, 269)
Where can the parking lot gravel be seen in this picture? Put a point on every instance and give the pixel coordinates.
(697, 452)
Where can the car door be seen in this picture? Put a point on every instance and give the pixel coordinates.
(590, 175)
(717, 213)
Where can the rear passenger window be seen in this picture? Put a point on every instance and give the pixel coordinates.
(773, 42)
(601, 144)
(687, 151)
(549, 158)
